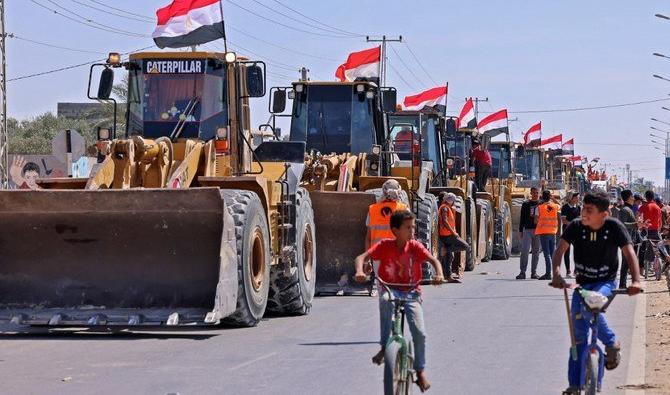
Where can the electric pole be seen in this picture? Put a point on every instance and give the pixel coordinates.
(477, 100)
(384, 59)
(4, 138)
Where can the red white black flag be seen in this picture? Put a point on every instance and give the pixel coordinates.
(568, 147)
(429, 98)
(362, 64)
(533, 137)
(188, 22)
(494, 124)
(553, 143)
(467, 119)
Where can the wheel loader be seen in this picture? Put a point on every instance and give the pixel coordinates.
(474, 212)
(499, 190)
(349, 157)
(181, 223)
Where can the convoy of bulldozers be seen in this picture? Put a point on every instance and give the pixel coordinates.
(190, 219)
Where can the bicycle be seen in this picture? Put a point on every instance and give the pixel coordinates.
(592, 359)
(661, 261)
(399, 352)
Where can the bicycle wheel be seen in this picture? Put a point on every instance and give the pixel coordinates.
(395, 380)
(592, 365)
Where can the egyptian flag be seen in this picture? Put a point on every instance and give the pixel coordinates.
(576, 158)
(363, 64)
(533, 137)
(494, 124)
(431, 97)
(568, 147)
(467, 119)
(184, 23)
(553, 143)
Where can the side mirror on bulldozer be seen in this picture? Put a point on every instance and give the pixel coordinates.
(255, 81)
(106, 84)
(278, 100)
(389, 99)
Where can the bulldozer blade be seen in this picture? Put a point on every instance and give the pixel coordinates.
(116, 257)
(340, 237)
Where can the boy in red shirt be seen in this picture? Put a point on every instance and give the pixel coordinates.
(400, 263)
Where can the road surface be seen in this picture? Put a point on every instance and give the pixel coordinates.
(490, 335)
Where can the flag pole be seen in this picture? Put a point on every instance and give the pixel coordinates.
(446, 99)
(223, 27)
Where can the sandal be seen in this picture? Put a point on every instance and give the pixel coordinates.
(612, 356)
(422, 382)
(378, 359)
(571, 391)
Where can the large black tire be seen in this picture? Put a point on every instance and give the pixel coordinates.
(253, 256)
(516, 217)
(393, 383)
(502, 249)
(293, 292)
(471, 236)
(487, 225)
(427, 229)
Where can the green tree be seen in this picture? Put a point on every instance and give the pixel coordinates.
(33, 136)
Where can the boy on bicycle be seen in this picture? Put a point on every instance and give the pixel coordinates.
(596, 240)
(401, 260)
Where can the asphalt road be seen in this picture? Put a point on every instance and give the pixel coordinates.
(490, 335)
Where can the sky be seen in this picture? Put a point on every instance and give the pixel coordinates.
(521, 55)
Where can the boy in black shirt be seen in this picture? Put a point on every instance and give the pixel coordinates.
(596, 240)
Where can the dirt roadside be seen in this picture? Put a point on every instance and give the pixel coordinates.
(658, 338)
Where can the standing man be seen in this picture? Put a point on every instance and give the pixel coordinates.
(569, 211)
(637, 202)
(527, 235)
(379, 214)
(627, 218)
(547, 219)
(450, 240)
(482, 161)
(650, 214)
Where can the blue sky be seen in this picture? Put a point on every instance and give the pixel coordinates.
(522, 55)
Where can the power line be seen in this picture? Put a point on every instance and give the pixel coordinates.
(416, 58)
(401, 77)
(281, 47)
(589, 108)
(283, 24)
(132, 18)
(124, 11)
(23, 77)
(88, 22)
(299, 20)
(406, 66)
(14, 36)
(317, 21)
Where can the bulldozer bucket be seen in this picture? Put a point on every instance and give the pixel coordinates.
(340, 237)
(116, 257)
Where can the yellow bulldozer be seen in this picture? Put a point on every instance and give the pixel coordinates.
(181, 222)
(350, 154)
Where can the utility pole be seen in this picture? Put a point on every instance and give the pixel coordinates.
(4, 137)
(384, 59)
(477, 100)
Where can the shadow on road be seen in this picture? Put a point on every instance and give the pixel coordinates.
(338, 343)
(45, 334)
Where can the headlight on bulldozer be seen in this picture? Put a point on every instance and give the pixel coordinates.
(104, 134)
(114, 59)
(377, 149)
(450, 162)
(360, 88)
(230, 57)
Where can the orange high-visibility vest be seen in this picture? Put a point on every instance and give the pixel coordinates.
(451, 219)
(380, 219)
(547, 221)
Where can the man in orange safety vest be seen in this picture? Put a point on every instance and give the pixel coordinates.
(547, 218)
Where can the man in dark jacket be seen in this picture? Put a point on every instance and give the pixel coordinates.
(627, 217)
(527, 235)
(569, 211)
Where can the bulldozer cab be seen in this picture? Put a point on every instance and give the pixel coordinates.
(529, 166)
(337, 117)
(501, 157)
